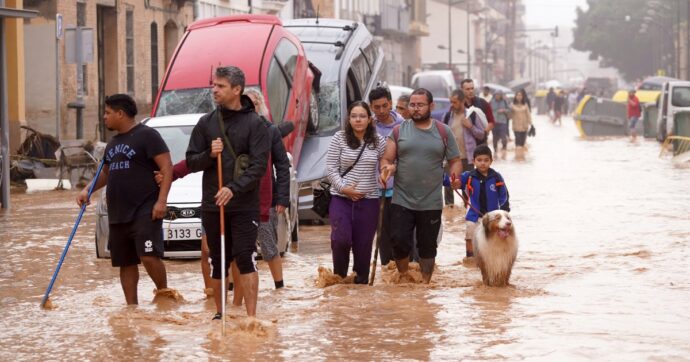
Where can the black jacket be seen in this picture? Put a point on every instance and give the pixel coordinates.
(281, 163)
(248, 135)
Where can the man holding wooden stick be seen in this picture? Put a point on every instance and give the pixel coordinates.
(234, 132)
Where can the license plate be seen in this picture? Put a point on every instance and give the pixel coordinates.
(181, 232)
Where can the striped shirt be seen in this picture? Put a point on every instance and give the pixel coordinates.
(340, 156)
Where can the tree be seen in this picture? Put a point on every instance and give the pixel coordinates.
(615, 35)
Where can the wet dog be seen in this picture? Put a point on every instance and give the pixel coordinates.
(495, 247)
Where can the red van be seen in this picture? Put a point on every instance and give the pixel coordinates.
(273, 61)
(271, 57)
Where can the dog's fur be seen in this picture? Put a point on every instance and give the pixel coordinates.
(495, 247)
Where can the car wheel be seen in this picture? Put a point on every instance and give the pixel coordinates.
(313, 124)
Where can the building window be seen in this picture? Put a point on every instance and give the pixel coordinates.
(81, 21)
(154, 61)
(129, 50)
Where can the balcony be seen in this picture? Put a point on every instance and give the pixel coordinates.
(418, 28)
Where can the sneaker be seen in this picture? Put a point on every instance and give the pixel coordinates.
(217, 317)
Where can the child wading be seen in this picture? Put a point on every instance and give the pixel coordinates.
(486, 191)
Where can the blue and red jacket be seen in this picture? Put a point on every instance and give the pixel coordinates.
(486, 193)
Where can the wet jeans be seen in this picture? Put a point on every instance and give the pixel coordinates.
(500, 133)
(520, 138)
(353, 225)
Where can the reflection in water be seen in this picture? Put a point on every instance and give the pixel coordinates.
(601, 274)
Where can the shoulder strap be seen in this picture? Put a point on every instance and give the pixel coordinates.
(442, 132)
(221, 125)
(353, 165)
(444, 136)
(396, 133)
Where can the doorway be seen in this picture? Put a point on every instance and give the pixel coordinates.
(106, 18)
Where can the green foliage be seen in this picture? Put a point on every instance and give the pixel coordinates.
(610, 31)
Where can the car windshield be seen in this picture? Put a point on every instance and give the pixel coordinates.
(650, 86)
(435, 85)
(177, 139)
(329, 108)
(187, 101)
(322, 54)
(681, 97)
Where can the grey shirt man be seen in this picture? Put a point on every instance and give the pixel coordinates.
(419, 175)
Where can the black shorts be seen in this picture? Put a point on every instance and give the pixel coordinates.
(241, 231)
(403, 224)
(139, 237)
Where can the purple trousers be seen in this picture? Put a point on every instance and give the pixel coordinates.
(353, 225)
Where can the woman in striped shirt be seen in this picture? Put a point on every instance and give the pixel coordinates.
(354, 206)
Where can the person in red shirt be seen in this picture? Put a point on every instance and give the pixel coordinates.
(634, 112)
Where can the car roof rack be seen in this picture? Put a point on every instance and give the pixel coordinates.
(341, 44)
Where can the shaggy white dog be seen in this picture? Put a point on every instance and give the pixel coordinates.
(495, 247)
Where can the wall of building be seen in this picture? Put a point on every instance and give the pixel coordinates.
(170, 22)
(14, 61)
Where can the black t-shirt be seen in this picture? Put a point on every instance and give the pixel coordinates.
(132, 191)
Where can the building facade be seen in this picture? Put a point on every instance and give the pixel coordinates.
(397, 26)
(130, 43)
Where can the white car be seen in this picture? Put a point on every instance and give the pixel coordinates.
(182, 227)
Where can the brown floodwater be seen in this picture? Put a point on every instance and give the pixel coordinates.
(602, 273)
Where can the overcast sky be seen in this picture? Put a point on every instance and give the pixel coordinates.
(549, 13)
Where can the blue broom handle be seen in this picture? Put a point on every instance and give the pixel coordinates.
(71, 236)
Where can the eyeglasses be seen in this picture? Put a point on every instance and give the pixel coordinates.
(417, 105)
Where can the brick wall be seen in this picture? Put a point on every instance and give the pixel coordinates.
(161, 12)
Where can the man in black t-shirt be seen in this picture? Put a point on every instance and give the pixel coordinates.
(136, 204)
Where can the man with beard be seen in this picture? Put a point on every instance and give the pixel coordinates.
(419, 146)
(230, 131)
(136, 204)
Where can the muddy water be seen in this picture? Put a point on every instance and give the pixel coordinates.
(602, 273)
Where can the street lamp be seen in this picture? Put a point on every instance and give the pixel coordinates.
(443, 47)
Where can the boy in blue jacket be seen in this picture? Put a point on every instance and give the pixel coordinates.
(486, 192)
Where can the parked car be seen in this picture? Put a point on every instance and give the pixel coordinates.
(440, 83)
(273, 61)
(441, 106)
(675, 98)
(655, 83)
(398, 90)
(182, 226)
(350, 64)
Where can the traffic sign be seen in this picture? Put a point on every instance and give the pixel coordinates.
(58, 26)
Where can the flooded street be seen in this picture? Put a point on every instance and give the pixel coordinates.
(602, 273)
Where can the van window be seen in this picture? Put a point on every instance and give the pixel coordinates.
(372, 53)
(278, 90)
(681, 97)
(352, 87)
(287, 54)
(361, 71)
